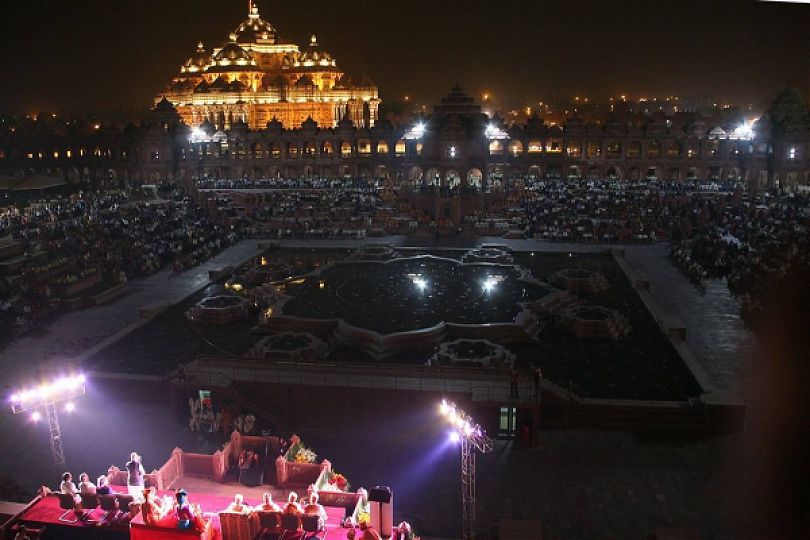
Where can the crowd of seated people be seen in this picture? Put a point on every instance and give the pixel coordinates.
(603, 211)
(289, 183)
(755, 246)
(110, 234)
(296, 213)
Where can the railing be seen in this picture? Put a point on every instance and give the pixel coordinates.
(171, 470)
(486, 385)
(292, 474)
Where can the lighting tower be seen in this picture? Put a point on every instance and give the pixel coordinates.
(47, 396)
(472, 439)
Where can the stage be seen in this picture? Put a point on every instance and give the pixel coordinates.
(44, 514)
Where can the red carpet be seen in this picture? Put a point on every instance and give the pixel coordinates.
(47, 512)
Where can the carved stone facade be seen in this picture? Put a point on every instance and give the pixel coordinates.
(257, 76)
(457, 145)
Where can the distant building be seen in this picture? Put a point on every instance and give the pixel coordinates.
(457, 145)
(257, 76)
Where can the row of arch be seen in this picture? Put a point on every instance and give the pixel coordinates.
(596, 149)
(634, 149)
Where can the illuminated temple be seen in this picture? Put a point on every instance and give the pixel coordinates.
(257, 76)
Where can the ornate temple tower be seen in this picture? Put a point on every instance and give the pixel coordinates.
(257, 76)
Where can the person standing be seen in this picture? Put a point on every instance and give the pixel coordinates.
(513, 384)
(250, 423)
(537, 374)
(135, 475)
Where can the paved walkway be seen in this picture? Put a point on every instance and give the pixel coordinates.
(74, 333)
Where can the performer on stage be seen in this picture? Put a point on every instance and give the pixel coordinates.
(150, 508)
(183, 510)
(292, 506)
(103, 486)
(135, 474)
(267, 504)
(238, 505)
(85, 485)
(314, 508)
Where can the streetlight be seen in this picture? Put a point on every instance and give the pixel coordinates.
(472, 437)
(47, 396)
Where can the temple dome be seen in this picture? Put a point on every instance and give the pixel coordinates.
(254, 30)
(314, 56)
(198, 61)
(233, 52)
(232, 57)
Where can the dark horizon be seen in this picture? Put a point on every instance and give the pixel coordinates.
(107, 56)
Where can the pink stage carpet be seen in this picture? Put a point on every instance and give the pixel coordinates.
(46, 512)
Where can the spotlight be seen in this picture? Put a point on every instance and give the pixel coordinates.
(444, 408)
(490, 283)
(454, 437)
(70, 407)
(35, 416)
(468, 429)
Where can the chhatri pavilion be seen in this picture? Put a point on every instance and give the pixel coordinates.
(257, 76)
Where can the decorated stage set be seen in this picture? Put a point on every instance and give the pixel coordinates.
(205, 477)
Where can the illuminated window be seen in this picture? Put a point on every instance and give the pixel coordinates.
(81, 151)
(2, 154)
(673, 149)
(327, 149)
(292, 150)
(535, 147)
(56, 154)
(154, 154)
(69, 153)
(452, 151)
(275, 150)
(382, 148)
(654, 150)
(792, 153)
(364, 147)
(594, 149)
(634, 149)
(573, 149)
(691, 152)
(714, 148)
(97, 152)
(345, 149)
(256, 150)
(507, 422)
(400, 148)
(418, 149)
(310, 149)
(554, 146)
(516, 148)
(614, 148)
(30, 155)
(496, 148)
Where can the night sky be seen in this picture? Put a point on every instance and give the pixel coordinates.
(106, 54)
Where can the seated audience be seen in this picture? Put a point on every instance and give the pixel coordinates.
(151, 508)
(292, 506)
(103, 487)
(314, 508)
(183, 510)
(268, 505)
(67, 486)
(85, 485)
(238, 505)
(22, 533)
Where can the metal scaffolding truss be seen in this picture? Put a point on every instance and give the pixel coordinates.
(56, 436)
